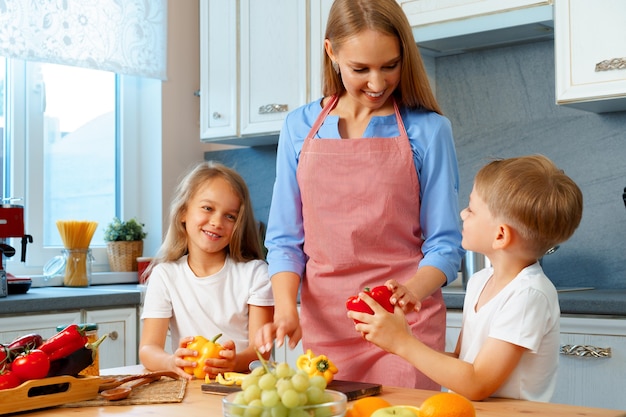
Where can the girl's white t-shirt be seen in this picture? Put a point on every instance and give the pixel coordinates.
(207, 306)
(525, 313)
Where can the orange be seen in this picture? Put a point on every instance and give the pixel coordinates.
(364, 407)
(447, 404)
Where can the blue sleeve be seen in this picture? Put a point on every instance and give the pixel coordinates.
(438, 173)
(285, 233)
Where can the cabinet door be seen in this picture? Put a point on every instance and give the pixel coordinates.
(453, 329)
(120, 347)
(586, 377)
(319, 16)
(590, 52)
(44, 324)
(273, 62)
(218, 64)
(426, 12)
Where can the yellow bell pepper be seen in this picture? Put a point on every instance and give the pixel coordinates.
(316, 365)
(206, 349)
(230, 378)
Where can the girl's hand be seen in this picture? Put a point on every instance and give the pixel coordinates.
(403, 297)
(382, 328)
(226, 362)
(178, 361)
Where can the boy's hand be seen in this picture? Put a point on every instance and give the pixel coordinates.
(382, 328)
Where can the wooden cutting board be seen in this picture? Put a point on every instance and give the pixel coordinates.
(353, 390)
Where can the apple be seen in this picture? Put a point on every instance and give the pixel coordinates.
(397, 411)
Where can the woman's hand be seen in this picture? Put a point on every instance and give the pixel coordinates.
(285, 326)
(403, 297)
(382, 328)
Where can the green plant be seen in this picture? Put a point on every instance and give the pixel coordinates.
(129, 230)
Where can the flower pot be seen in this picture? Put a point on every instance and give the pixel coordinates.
(123, 255)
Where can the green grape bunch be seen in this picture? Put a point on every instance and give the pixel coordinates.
(282, 391)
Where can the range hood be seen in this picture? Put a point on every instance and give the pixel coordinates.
(484, 32)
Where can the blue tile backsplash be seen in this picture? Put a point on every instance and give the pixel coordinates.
(501, 103)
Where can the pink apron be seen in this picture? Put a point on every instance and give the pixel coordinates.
(360, 207)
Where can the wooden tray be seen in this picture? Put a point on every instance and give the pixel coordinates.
(353, 390)
(48, 392)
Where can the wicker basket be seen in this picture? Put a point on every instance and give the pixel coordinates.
(123, 255)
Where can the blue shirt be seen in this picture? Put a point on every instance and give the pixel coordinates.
(430, 136)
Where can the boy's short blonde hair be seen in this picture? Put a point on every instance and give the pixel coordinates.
(534, 196)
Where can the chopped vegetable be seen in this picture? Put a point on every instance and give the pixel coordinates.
(316, 365)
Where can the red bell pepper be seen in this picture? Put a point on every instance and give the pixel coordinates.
(381, 294)
(65, 342)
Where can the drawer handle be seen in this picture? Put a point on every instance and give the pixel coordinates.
(585, 351)
(273, 108)
(113, 335)
(611, 64)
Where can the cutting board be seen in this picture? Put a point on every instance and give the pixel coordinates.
(353, 390)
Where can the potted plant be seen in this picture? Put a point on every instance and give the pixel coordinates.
(124, 244)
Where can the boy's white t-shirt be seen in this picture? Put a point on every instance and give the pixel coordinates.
(525, 313)
(207, 306)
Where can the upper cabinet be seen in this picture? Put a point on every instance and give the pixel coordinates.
(254, 68)
(456, 26)
(590, 54)
(450, 27)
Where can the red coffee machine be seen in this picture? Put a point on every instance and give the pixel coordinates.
(11, 226)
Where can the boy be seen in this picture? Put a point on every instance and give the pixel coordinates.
(519, 208)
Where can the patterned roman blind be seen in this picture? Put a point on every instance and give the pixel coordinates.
(122, 36)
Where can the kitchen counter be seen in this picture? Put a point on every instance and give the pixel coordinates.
(605, 302)
(609, 302)
(45, 299)
(199, 404)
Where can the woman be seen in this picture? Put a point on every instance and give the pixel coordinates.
(365, 195)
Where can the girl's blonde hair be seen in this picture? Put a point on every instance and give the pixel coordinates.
(245, 243)
(348, 18)
(543, 204)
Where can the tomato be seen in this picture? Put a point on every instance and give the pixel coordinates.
(8, 379)
(33, 364)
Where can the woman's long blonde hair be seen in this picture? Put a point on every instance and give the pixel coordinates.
(348, 18)
(245, 243)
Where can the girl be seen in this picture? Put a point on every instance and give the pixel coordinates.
(365, 195)
(209, 276)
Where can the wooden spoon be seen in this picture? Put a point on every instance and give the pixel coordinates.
(110, 383)
(120, 393)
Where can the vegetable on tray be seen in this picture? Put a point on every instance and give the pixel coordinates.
(65, 342)
(76, 361)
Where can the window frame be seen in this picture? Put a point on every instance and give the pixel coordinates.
(138, 118)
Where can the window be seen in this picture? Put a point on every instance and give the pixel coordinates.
(63, 151)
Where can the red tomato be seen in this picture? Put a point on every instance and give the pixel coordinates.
(31, 365)
(9, 380)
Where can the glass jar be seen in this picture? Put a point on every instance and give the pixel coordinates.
(77, 267)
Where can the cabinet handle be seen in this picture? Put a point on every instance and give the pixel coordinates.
(113, 335)
(585, 351)
(273, 108)
(216, 115)
(611, 64)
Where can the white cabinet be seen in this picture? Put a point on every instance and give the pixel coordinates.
(453, 329)
(119, 349)
(454, 26)
(588, 374)
(254, 67)
(590, 54)
(41, 324)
